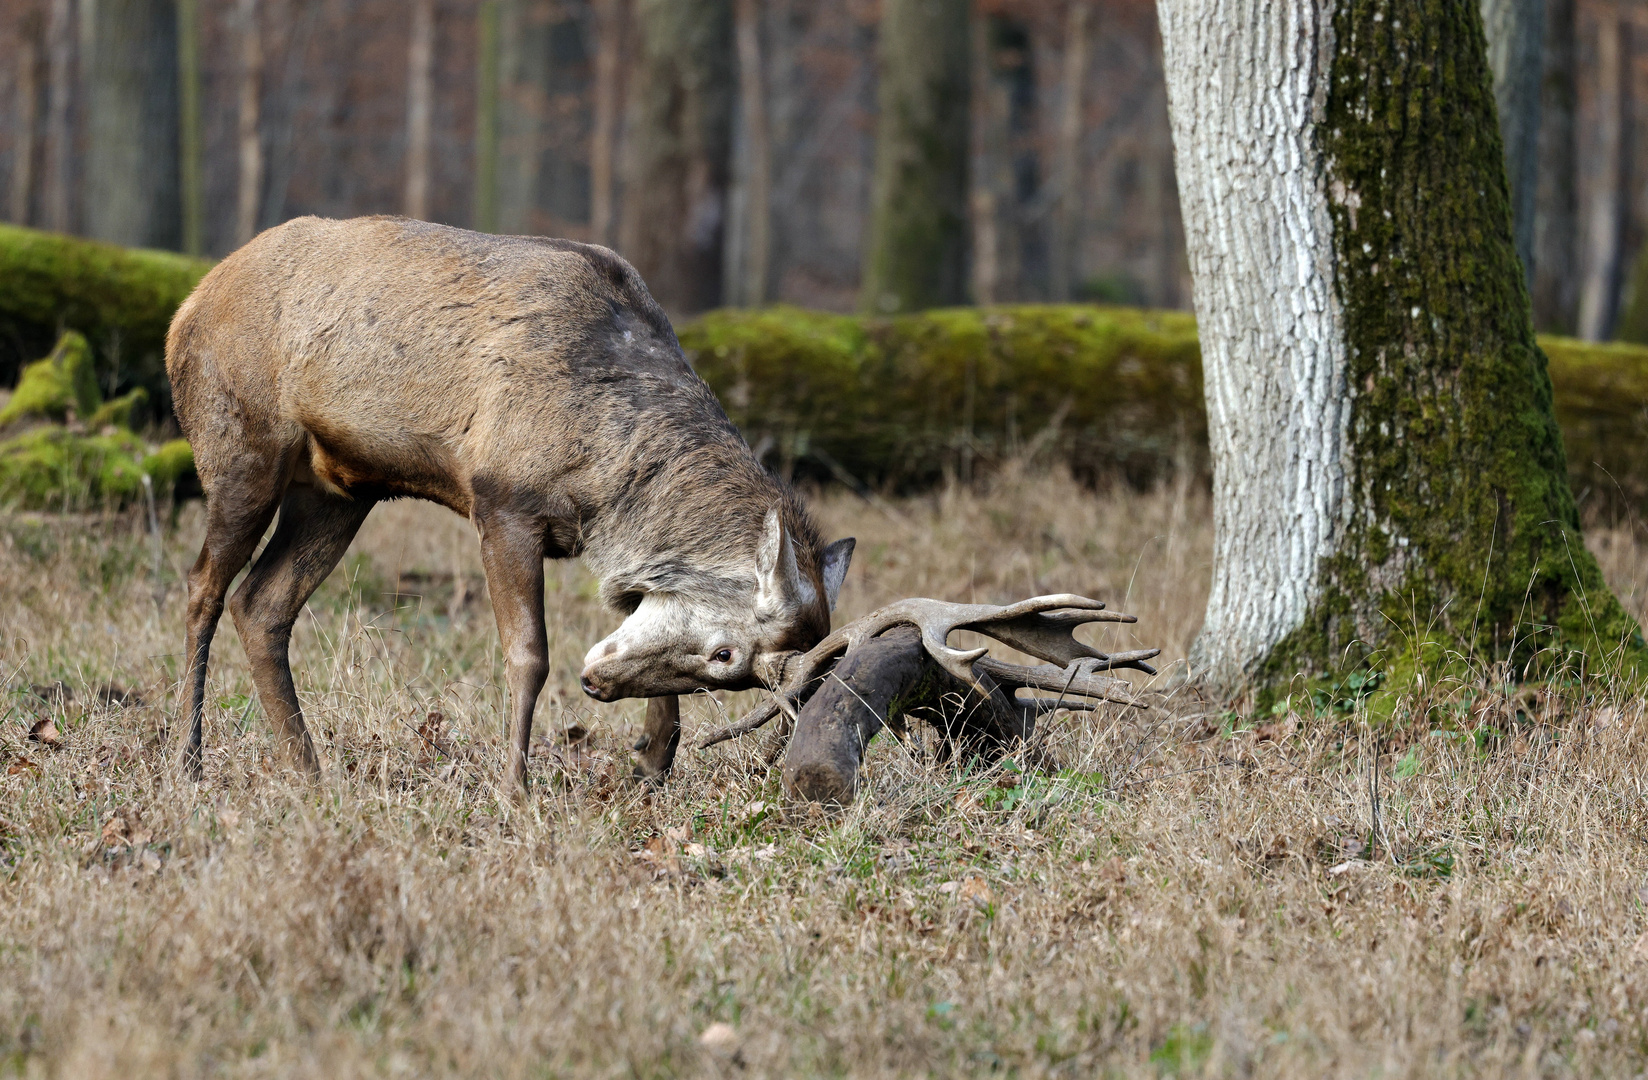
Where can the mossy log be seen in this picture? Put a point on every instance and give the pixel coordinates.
(53, 468)
(121, 299)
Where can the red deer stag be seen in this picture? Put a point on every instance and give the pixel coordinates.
(531, 385)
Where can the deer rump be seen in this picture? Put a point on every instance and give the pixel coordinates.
(531, 385)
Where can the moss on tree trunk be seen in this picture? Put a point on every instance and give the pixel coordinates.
(1463, 539)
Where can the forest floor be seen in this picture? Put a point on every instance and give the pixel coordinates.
(1192, 894)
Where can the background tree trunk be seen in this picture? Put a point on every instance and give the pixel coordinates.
(1556, 291)
(1067, 157)
(486, 115)
(749, 226)
(678, 149)
(131, 178)
(420, 94)
(1515, 31)
(249, 192)
(916, 249)
(191, 152)
(1389, 483)
(27, 104)
(608, 98)
(1607, 175)
(59, 179)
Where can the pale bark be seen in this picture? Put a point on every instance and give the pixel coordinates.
(59, 178)
(1390, 486)
(1603, 235)
(249, 127)
(1067, 157)
(1245, 81)
(1515, 30)
(420, 93)
(28, 106)
(989, 148)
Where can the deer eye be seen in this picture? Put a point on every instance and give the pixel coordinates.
(722, 656)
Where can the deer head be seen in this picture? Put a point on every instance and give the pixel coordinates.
(723, 638)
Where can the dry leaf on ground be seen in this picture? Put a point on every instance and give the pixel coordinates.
(46, 734)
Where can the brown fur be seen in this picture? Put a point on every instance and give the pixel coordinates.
(532, 385)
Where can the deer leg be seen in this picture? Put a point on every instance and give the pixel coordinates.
(659, 738)
(512, 554)
(314, 530)
(238, 509)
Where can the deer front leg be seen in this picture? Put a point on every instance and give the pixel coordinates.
(512, 554)
(659, 738)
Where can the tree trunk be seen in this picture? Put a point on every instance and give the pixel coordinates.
(59, 179)
(191, 154)
(1515, 30)
(1607, 176)
(679, 149)
(916, 250)
(603, 141)
(1389, 483)
(1556, 291)
(131, 179)
(749, 228)
(486, 115)
(420, 93)
(28, 108)
(1067, 157)
(249, 124)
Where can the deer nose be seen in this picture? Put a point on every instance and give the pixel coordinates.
(593, 688)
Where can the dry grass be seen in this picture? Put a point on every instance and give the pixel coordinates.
(1183, 899)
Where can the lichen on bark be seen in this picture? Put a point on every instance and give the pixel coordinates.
(1461, 540)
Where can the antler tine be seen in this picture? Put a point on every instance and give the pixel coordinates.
(1083, 681)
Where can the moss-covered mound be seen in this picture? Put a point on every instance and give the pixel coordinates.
(60, 387)
(903, 401)
(1108, 390)
(1601, 398)
(122, 299)
(53, 468)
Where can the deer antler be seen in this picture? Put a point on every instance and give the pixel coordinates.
(1042, 626)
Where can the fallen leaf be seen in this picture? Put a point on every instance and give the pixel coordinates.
(949, 886)
(115, 831)
(576, 733)
(22, 765)
(697, 851)
(230, 819)
(125, 828)
(679, 833)
(45, 733)
(1345, 867)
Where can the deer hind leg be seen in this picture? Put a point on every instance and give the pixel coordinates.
(314, 530)
(239, 506)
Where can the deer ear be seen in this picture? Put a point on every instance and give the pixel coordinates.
(780, 585)
(837, 557)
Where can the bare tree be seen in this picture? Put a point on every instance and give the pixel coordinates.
(749, 228)
(130, 75)
(420, 94)
(191, 152)
(1555, 287)
(1389, 482)
(1067, 155)
(608, 93)
(59, 178)
(27, 103)
(916, 251)
(249, 126)
(678, 147)
(1515, 30)
(1607, 174)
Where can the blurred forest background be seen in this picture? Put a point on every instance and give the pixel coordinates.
(663, 127)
